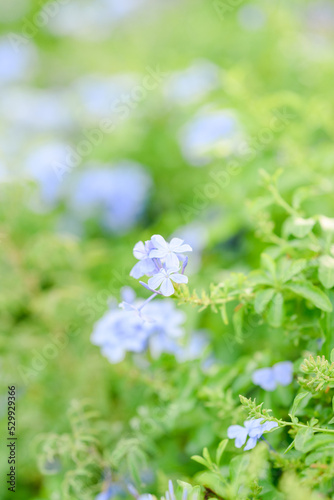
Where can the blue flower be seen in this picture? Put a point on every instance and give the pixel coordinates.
(146, 265)
(269, 378)
(116, 195)
(161, 261)
(39, 165)
(168, 252)
(164, 279)
(195, 348)
(193, 83)
(252, 428)
(138, 326)
(16, 63)
(209, 134)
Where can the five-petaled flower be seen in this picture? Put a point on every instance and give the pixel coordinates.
(161, 261)
(252, 428)
(168, 252)
(146, 265)
(164, 278)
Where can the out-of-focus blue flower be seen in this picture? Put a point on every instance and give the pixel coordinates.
(131, 329)
(279, 374)
(210, 134)
(98, 94)
(196, 234)
(320, 16)
(251, 17)
(252, 428)
(39, 166)
(111, 490)
(191, 84)
(38, 109)
(194, 349)
(117, 195)
(16, 62)
(91, 19)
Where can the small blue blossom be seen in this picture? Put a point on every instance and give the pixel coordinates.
(161, 262)
(164, 279)
(253, 429)
(146, 265)
(279, 374)
(168, 252)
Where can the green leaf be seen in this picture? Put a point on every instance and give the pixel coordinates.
(332, 356)
(237, 320)
(269, 264)
(303, 439)
(289, 269)
(220, 450)
(207, 457)
(289, 447)
(299, 227)
(259, 278)
(297, 403)
(262, 299)
(312, 294)
(326, 271)
(201, 461)
(276, 310)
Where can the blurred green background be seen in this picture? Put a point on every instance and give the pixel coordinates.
(65, 67)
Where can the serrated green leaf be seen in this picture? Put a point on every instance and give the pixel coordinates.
(313, 294)
(326, 271)
(262, 299)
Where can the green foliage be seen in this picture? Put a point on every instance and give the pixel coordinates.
(263, 288)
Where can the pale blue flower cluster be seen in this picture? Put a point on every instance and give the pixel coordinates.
(253, 429)
(209, 134)
(117, 196)
(161, 262)
(193, 83)
(279, 374)
(16, 65)
(130, 329)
